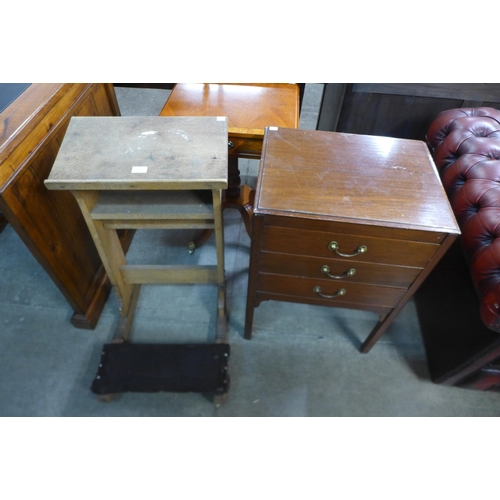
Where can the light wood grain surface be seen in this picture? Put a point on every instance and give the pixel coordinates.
(250, 108)
(142, 153)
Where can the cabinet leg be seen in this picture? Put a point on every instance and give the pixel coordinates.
(378, 331)
(249, 321)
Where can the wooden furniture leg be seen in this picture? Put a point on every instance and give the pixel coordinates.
(3, 222)
(222, 330)
(110, 250)
(237, 196)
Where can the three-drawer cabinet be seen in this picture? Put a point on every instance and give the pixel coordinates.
(345, 220)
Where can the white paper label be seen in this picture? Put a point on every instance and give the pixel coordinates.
(221, 118)
(139, 170)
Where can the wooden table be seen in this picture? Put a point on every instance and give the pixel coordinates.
(345, 220)
(147, 173)
(50, 223)
(250, 108)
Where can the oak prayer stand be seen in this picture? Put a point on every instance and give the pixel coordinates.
(345, 220)
(250, 108)
(148, 173)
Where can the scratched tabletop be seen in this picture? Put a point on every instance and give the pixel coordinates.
(153, 152)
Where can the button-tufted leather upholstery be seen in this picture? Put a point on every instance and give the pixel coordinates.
(465, 144)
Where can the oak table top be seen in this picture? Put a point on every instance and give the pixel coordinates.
(148, 153)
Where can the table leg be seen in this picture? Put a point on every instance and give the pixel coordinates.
(237, 196)
(244, 204)
(110, 249)
(240, 197)
(122, 329)
(221, 276)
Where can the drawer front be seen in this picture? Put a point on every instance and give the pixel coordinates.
(337, 270)
(328, 293)
(317, 244)
(245, 147)
(330, 226)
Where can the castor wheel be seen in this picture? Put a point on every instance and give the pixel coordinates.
(219, 400)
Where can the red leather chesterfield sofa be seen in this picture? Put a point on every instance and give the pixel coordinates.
(461, 300)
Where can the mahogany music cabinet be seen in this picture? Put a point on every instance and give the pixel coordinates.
(345, 220)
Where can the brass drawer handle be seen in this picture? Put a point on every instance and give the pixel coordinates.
(334, 246)
(339, 293)
(349, 272)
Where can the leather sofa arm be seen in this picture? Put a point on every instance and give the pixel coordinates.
(465, 144)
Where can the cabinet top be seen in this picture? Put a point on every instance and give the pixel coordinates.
(150, 152)
(351, 178)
